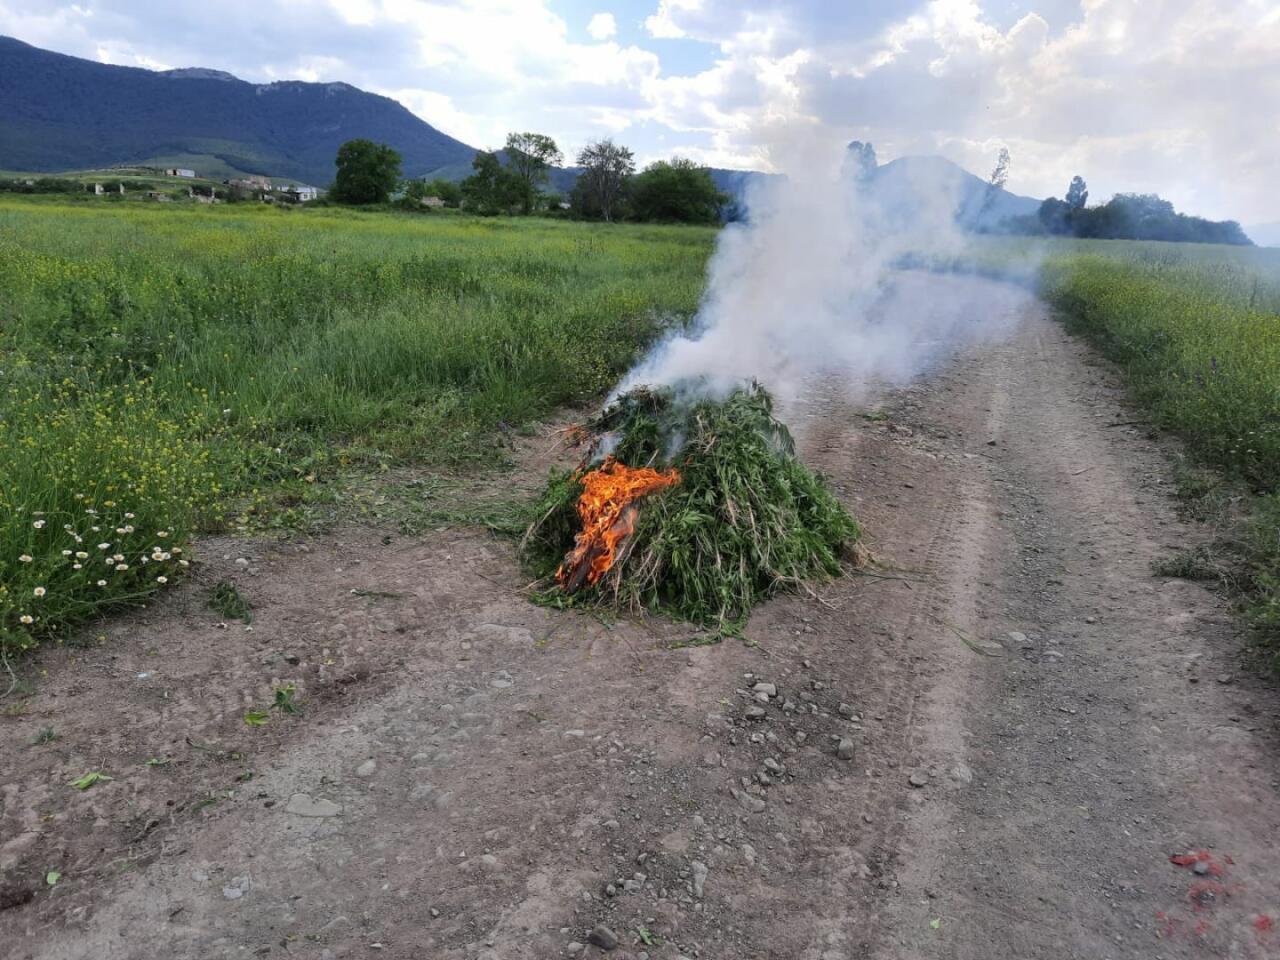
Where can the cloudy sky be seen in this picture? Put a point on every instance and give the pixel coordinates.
(1181, 97)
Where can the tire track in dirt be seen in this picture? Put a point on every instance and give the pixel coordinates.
(1062, 845)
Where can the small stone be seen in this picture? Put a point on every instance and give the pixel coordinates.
(749, 854)
(610, 824)
(500, 684)
(1201, 868)
(961, 772)
(242, 561)
(574, 948)
(845, 749)
(1090, 619)
(302, 805)
(801, 736)
(434, 913)
(237, 888)
(989, 648)
(603, 937)
(747, 802)
(1224, 678)
(756, 713)
(918, 779)
(699, 877)
(292, 659)
(846, 711)
(366, 769)
(766, 689)
(773, 766)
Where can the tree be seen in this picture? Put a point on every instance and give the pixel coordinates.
(1055, 216)
(492, 188)
(529, 155)
(446, 190)
(606, 166)
(995, 183)
(367, 172)
(1077, 193)
(678, 191)
(415, 191)
(1000, 175)
(859, 161)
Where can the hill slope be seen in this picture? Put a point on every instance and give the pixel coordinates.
(906, 184)
(63, 113)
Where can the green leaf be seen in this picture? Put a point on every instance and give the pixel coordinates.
(89, 779)
(256, 718)
(935, 923)
(646, 937)
(52, 877)
(284, 699)
(158, 762)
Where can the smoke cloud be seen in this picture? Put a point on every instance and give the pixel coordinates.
(813, 285)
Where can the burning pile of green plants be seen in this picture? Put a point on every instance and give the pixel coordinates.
(695, 507)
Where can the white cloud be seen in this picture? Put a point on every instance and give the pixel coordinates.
(1176, 96)
(602, 26)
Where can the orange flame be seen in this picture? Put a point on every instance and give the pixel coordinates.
(608, 513)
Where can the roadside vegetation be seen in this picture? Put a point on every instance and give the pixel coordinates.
(165, 370)
(1196, 329)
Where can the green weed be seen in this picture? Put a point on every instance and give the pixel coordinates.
(745, 519)
(227, 600)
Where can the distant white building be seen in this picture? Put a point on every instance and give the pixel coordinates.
(433, 202)
(303, 193)
(252, 182)
(178, 172)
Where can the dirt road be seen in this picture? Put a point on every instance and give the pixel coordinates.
(1033, 725)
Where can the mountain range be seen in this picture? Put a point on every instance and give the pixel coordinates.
(61, 113)
(64, 113)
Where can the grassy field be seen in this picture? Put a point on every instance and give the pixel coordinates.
(1196, 329)
(159, 365)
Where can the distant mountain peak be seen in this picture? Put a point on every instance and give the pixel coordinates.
(198, 73)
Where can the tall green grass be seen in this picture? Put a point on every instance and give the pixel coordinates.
(233, 348)
(1197, 332)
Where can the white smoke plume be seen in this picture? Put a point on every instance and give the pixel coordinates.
(812, 285)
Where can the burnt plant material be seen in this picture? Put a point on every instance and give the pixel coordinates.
(741, 519)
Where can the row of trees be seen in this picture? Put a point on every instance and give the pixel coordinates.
(1130, 216)
(513, 181)
(674, 191)
(607, 186)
